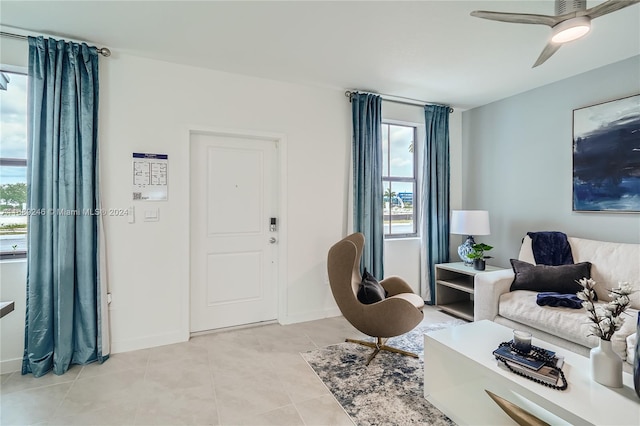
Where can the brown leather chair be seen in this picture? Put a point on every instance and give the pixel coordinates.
(397, 314)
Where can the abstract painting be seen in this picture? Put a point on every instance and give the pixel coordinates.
(606, 156)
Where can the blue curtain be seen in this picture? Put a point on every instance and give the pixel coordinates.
(435, 195)
(366, 111)
(63, 322)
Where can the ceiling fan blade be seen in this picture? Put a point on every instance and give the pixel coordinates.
(517, 18)
(547, 52)
(607, 7)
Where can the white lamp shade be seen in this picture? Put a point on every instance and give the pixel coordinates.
(470, 222)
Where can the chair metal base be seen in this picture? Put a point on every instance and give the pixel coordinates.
(380, 346)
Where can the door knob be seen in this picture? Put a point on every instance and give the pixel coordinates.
(272, 240)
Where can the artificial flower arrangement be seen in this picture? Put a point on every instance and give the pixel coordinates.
(606, 318)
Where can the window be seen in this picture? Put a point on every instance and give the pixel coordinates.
(13, 165)
(399, 180)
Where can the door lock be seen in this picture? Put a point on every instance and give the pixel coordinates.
(272, 240)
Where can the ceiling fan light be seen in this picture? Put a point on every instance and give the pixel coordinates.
(571, 29)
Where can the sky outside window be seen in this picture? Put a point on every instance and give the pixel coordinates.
(401, 138)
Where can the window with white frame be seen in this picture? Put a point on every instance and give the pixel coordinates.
(13, 165)
(399, 180)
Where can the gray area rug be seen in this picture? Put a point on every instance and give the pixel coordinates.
(387, 392)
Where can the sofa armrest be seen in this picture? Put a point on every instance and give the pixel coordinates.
(489, 286)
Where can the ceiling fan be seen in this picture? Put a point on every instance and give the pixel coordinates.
(571, 21)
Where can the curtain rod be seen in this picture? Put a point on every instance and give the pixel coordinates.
(101, 50)
(407, 101)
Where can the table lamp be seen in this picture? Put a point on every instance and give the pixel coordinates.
(469, 223)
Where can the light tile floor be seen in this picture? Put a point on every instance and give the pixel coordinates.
(249, 376)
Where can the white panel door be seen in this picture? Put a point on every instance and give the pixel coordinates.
(233, 251)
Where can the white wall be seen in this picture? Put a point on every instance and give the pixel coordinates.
(517, 161)
(147, 106)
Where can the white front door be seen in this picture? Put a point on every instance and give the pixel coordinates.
(233, 251)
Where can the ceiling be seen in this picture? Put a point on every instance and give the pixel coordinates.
(429, 50)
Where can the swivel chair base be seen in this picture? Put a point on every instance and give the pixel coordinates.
(380, 346)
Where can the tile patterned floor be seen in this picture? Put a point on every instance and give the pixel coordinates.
(250, 376)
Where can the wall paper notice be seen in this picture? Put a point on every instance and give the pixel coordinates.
(150, 176)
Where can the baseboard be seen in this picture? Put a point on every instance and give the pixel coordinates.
(310, 316)
(148, 342)
(10, 365)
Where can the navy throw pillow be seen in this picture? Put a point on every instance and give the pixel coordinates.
(543, 278)
(370, 290)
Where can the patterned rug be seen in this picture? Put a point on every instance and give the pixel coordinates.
(387, 392)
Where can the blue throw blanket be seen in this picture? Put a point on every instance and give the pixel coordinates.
(551, 248)
(559, 299)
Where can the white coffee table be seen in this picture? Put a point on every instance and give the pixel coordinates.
(459, 366)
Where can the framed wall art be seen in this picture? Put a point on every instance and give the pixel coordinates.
(606, 156)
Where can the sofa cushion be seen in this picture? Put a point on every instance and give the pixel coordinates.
(611, 263)
(560, 279)
(570, 324)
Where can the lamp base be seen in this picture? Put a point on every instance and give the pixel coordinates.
(465, 249)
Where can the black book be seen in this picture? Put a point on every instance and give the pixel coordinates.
(506, 353)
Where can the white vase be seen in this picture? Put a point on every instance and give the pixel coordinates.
(606, 365)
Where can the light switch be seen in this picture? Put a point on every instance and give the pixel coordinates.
(152, 215)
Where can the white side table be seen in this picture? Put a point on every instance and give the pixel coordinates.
(455, 283)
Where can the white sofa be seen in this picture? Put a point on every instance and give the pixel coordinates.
(569, 328)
